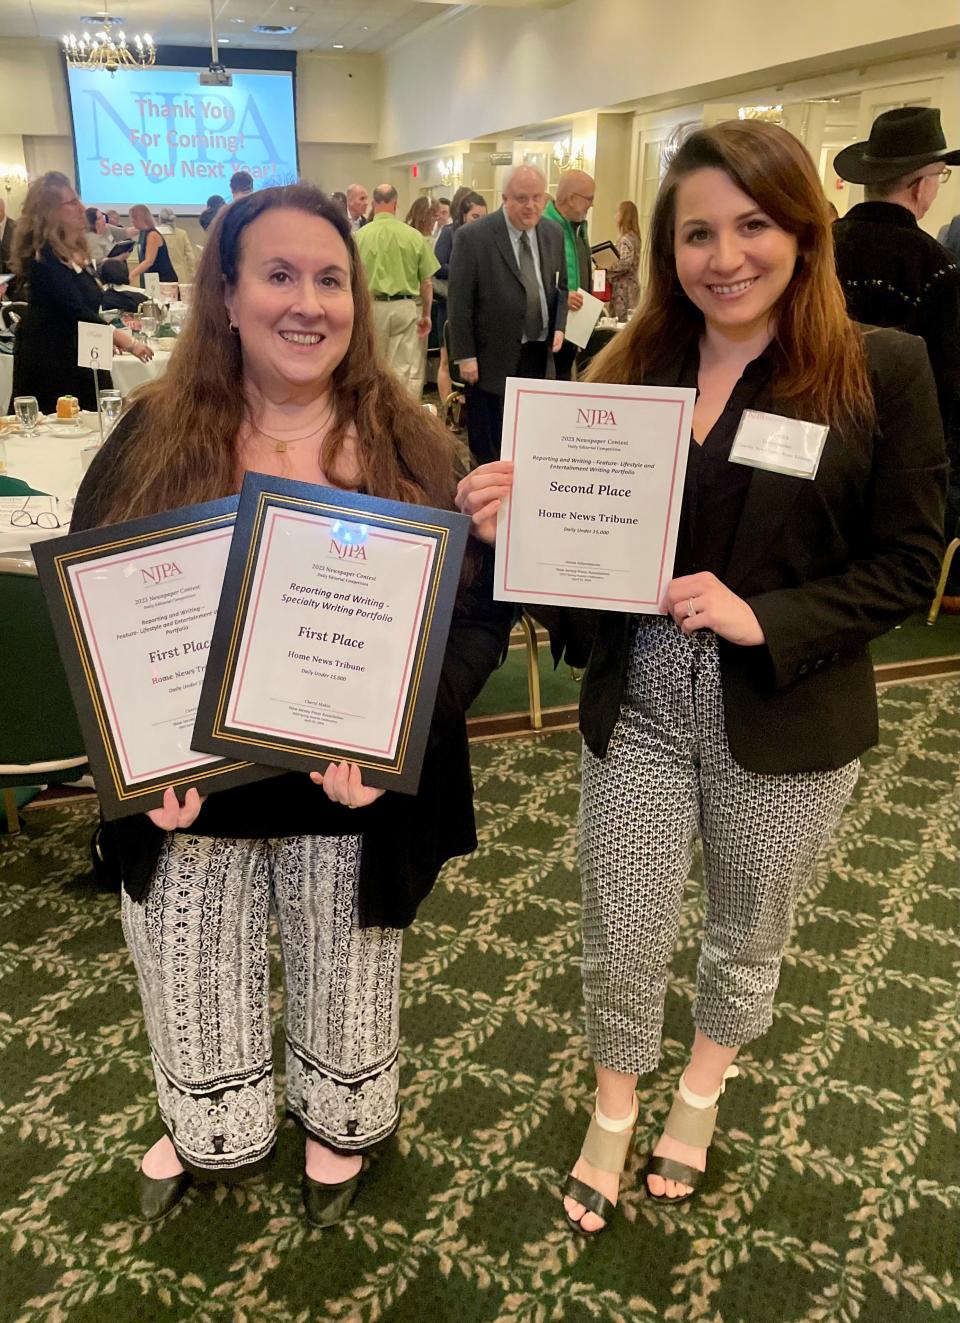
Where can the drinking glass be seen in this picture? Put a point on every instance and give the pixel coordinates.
(27, 411)
(148, 325)
(111, 406)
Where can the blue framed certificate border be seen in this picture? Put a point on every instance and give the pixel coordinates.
(217, 733)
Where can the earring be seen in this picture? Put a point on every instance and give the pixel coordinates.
(234, 328)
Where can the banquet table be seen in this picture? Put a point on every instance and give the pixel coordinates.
(49, 461)
(128, 372)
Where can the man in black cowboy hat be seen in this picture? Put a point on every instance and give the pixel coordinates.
(895, 274)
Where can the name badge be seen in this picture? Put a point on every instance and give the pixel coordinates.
(780, 445)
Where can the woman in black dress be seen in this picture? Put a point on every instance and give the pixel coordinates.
(51, 260)
(151, 249)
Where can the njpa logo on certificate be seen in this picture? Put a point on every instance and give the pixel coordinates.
(593, 517)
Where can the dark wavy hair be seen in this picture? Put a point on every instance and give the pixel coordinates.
(819, 354)
(182, 445)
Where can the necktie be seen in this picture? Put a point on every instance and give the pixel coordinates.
(533, 321)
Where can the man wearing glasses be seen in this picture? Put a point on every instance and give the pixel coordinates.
(895, 274)
(506, 303)
(575, 191)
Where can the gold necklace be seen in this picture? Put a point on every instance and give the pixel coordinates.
(280, 443)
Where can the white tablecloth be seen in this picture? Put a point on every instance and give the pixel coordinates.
(6, 381)
(128, 372)
(49, 461)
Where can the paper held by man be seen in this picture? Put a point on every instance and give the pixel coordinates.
(593, 517)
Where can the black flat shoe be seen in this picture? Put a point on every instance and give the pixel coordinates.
(326, 1205)
(157, 1197)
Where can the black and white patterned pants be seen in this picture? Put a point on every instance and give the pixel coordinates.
(669, 773)
(199, 944)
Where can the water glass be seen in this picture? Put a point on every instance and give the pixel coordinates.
(111, 407)
(148, 325)
(27, 411)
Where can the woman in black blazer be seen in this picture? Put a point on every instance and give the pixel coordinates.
(740, 712)
(51, 260)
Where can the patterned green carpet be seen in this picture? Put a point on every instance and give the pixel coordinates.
(835, 1178)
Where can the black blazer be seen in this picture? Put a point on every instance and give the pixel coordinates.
(59, 298)
(826, 566)
(487, 301)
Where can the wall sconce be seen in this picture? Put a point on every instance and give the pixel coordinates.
(13, 176)
(450, 172)
(568, 156)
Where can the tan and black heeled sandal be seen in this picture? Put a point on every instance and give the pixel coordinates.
(607, 1151)
(687, 1125)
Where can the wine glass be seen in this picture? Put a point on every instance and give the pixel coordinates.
(148, 325)
(28, 412)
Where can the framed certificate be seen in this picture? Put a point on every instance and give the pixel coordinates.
(593, 517)
(331, 631)
(133, 607)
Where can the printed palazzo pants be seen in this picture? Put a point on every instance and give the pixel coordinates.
(199, 944)
(669, 774)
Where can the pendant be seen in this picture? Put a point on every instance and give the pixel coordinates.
(280, 447)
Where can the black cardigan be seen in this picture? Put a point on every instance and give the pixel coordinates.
(826, 566)
(406, 838)
(45, 341)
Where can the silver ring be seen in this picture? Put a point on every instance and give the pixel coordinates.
(691, 609)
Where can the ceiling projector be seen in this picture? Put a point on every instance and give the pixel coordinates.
(215, 76)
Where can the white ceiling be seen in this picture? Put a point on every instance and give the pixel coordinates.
(356, 25)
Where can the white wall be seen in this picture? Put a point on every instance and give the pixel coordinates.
(338, 98)
(496, 69)
(334, 166)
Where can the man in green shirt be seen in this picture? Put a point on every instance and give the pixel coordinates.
(575, 192)
(398, 262)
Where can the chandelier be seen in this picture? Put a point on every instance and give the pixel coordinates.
(109, 50)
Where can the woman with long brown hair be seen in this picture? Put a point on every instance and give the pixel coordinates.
(741, 712)
(152, 251)
(624, 279)
(51, 259)
(422, 215)
(276, 372)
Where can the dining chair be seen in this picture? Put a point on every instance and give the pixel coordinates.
(40, 740)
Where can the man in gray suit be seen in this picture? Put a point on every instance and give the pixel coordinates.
(506, 303)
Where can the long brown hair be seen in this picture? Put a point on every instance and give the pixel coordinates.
(181, 448)
(628, 218)
(820, 361)
(142, 216)
(422, 214)
(40, 227)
